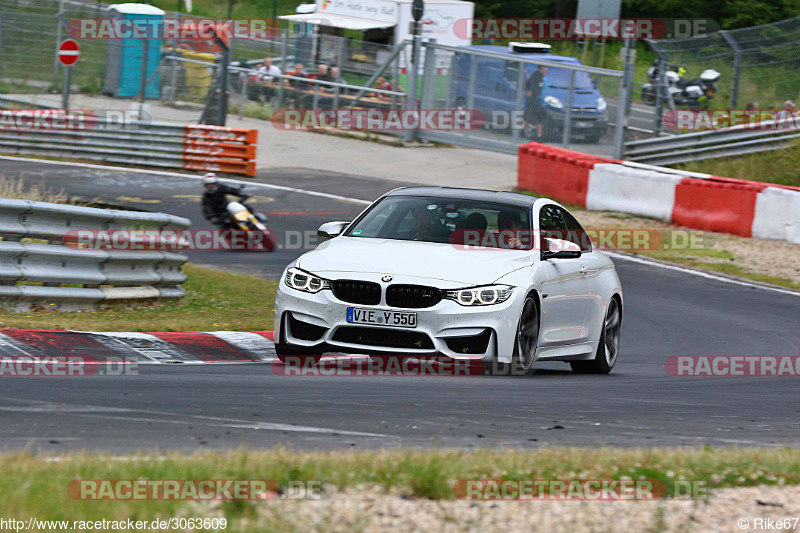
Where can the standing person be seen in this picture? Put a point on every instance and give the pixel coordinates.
(534, 112)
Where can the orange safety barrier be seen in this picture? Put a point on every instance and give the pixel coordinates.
(220, 149)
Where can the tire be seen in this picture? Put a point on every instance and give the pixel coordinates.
(648, 97)
(608, 349)
(593, 139)
(461, 103)
(526, 338)
(283, 352)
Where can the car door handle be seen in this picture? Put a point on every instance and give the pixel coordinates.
(587, 270)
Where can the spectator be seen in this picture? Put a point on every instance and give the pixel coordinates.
(267, 70)
(383, 85)
(324, 76)
(534, 112)
(300, 72)
(787, 111)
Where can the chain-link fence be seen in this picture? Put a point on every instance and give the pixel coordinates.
(511, 98)
(757, 65)
(30, 33)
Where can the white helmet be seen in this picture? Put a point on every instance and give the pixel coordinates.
(210, 179)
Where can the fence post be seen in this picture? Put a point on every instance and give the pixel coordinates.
(339, 55)
(243, 97)
(520, 105)
(565, 134)
(660, 89)
(622, 103)
(282, 82)
(58, 41)
(737, 66)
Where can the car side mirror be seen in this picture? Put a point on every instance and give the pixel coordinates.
(559, 249)
(329, 230)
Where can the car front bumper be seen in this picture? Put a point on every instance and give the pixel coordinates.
(450, 328)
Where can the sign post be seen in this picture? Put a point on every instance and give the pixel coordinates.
(68, 53)
(417, 10)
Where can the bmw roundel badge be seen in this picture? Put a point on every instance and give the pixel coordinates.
(386, 279)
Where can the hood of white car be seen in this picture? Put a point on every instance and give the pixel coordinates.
(474, 266)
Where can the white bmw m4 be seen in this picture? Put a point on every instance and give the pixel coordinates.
(500, 276)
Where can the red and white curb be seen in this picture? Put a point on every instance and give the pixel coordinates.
(153, 347)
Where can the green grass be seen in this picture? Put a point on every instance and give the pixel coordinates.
(778, 166)
(32, 487)
(215, 300)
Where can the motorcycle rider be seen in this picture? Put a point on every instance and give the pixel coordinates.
(215, 200)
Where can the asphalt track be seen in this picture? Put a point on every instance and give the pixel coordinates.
(668, 312)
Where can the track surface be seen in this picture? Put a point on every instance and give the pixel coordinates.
(190, 407)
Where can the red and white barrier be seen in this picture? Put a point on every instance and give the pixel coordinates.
(690, 199)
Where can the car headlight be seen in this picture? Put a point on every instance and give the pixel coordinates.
(601, 104)
(305, 281)
(554, 102)
(487, 295)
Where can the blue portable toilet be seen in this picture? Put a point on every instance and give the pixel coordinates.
(124, 58)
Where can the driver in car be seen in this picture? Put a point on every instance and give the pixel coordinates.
(427, 226)
(510, 225)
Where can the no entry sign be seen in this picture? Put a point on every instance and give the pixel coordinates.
(68, 52)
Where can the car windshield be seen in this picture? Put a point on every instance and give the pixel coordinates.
(558, 78)
(446, 220)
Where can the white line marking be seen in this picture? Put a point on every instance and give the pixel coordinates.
(189, 176)
(701, 274)
(366, 202)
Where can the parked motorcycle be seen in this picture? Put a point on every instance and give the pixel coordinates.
(694, 93)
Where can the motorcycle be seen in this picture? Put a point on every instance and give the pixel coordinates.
(694, 93)
(249, 230)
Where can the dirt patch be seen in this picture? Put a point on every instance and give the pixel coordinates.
(373, 510)
(729, 253)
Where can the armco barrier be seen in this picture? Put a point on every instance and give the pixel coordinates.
(157, 144)
(102, 275)
(694, 200)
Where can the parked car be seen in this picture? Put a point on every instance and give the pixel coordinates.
(496, 89)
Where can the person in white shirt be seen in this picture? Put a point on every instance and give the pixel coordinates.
(267, 70)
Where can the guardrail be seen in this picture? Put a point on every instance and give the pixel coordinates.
(77, 278)
(737, 140)
(156, 144)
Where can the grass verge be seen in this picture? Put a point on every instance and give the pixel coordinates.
(215, 300)
(36, 488)
(777, 166)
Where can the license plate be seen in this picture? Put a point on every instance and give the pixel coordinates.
(583, 124)
(378, 317)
